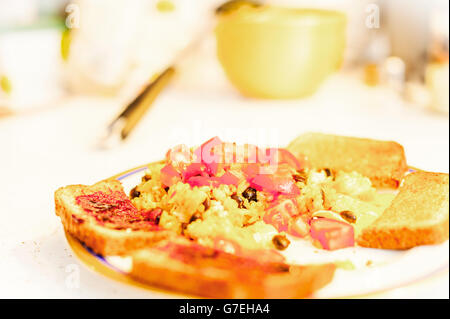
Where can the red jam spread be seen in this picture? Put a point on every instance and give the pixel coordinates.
(115, 210)
(201, 256)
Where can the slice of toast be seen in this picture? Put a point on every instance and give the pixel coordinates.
(418, 215)
(93, 222)
(383, 162)
(198, 270)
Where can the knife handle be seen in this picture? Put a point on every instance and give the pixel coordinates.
(134, 112)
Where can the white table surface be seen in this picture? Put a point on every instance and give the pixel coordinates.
(48, 149)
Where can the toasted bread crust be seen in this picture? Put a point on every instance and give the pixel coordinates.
(155, 267)
(383, 162)
(100, 239)
(419, 215)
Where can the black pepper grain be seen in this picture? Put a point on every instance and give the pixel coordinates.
(250, 194)
(194, 217)
(135, 193)
(299, 178)
(238, 200)
(183, 227)
(207, 203)
(280, 242)
(348, 216)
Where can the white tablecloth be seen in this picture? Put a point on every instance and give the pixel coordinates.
(44, 150)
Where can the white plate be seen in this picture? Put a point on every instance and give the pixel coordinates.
(374, 270)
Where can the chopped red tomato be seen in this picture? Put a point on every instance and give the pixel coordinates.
(204, 153)
(154, 215)
(263, 183)
(225, 152)
(248, 153)
(280, 213)
(229, 179)
(299, 226)
(277, 156)
(178, 156)
(278, 219)
(275, 184)
(281, 179)
(250, 170)
(194, 169)
(212, 168)
(284, 156)
(286, 185)
(239, 154)
(203, 181)
(269, 170)
(332, 234)
(169, 175)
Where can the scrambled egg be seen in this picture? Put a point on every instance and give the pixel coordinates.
(206, 213)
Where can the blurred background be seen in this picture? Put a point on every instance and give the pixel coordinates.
(264, 71)
(261, 72)
(53, 49)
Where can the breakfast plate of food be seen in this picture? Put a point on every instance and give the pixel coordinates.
(327, 216)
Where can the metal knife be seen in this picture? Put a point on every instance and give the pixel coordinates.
(121, 126)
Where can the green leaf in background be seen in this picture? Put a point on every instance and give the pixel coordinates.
(43, 22)
(65, 44)
(165, 6)
(5, 84)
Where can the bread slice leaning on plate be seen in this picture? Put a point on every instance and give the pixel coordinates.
(384, 162)
(85, 213)
(190, 268)
(418, 215)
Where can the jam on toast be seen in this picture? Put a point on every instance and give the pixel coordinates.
(190, 268)
(104, 219)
